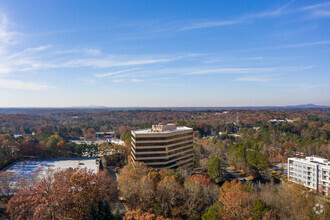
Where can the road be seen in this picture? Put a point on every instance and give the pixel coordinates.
(119, 203)
(234, 175)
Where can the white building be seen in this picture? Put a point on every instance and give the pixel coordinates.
(312, 172)
(163, 146)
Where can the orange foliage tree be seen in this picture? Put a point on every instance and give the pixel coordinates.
(236, 200)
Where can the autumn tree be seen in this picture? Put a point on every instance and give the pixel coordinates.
(62, 193)
(9, 184)
(139, 215)
(236, 200)
(166, 192)
(291, 201)
(89, 133)
(200, 194)
(170, 197)
(129, 183)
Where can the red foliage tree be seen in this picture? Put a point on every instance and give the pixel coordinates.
(62, 194)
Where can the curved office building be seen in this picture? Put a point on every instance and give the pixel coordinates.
(163, 146)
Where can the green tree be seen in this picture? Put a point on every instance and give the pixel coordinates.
(126, 136)
(117, 215)
(214, 168)
(101, 212)
(214, 212)
(259, 209)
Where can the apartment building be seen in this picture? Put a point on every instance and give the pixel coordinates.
(163, 146)
(312, 172)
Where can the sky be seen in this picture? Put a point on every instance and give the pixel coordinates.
(64, 53)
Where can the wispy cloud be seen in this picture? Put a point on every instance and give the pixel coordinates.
(231, 59)
(209, 24)
(308, 44)
(29, 51)
(310, 86)
(16, 61)
(111, 61)
(22, 85)
(6, 36)
(305, 44)
(136, 80)
(117, 80)
(89, 81)
(114, 73)
(279, 11)
(239, 20)
(317, 10)
(321, 13)
(247, 70)
(315, 6)
(256, 78)
(93, 52)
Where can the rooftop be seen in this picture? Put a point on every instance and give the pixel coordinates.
(314, 160)
(162, 129)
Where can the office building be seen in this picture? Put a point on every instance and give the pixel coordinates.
(163, 146)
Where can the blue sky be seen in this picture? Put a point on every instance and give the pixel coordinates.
(65, 53)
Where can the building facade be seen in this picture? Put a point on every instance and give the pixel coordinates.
(163, 146)
(312, 172)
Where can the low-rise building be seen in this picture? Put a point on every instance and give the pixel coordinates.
(312, 172)
(163, 146)
(104, 135)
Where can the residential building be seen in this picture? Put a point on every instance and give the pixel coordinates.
(163, 146)
(312, 172)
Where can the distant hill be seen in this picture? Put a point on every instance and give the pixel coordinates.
(308, 106)
(42, 111)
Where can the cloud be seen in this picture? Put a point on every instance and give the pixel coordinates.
(305, 44)
(159, 73)
(239, 20)
(321, 13)
(4, 69)
(136, 80)
(246, 70)
(308, 44)
(40, 48)
(209, 24)
(93, 52)
(29, 51)
(230, 59)
(117, 80)
(317, 10)
(310, 86)
(315, 6)
(277, 12)
(17, 84)
(111, 61)
(114, 73)
(255, 78)
(6, 37)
